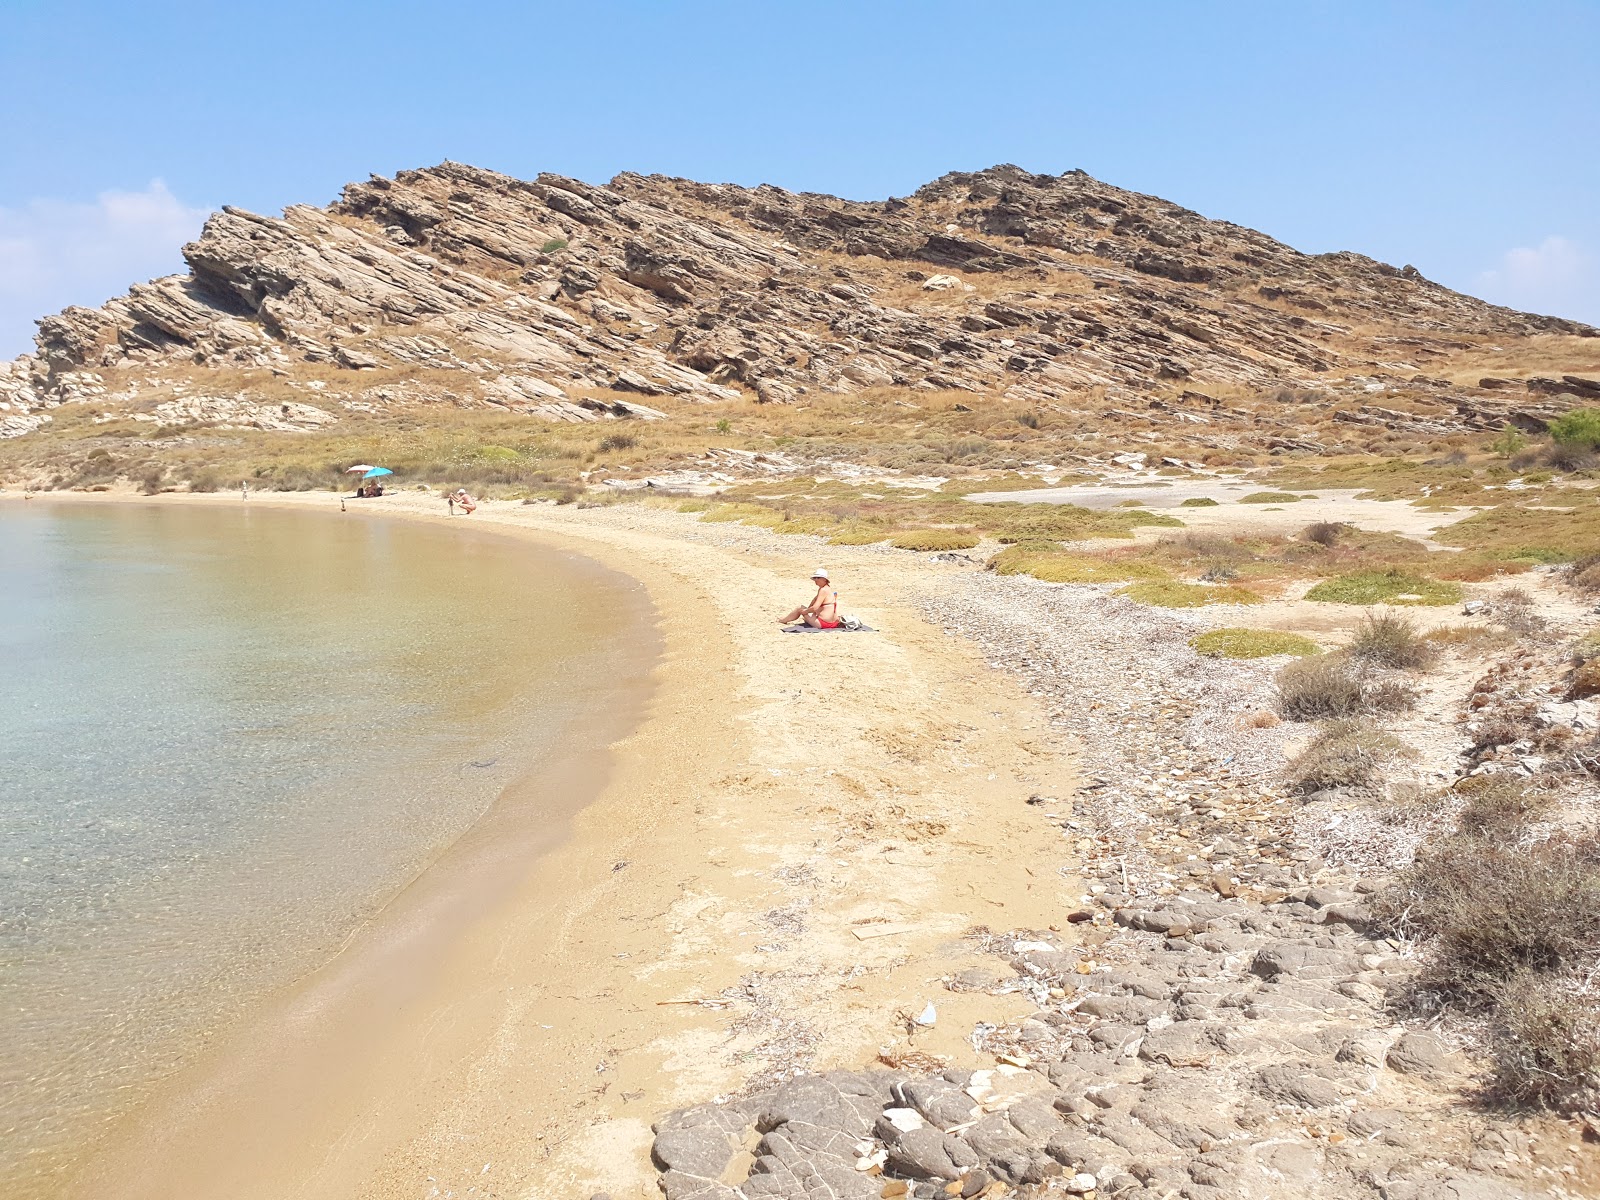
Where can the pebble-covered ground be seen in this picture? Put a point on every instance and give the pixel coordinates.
(1216, 1021)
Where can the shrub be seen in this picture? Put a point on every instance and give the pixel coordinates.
(1169, 593)
(1587, 647)
(1546, 1049)
(1385, 587)
(1198, 502)
(205, 480)
(553, 246)
(1324, 533)
(1513, 610)
(617, 441)
(1578, 428)
(935, 539)
(1317, 688)
(1511, 441)
(1499, 805)
(1391, 641)
(1252, 643)
(150, 485)
(1332, 686)
(1346, 753)
(1585, 681)
(1494, 909)
(1269, 498)
(1584, 573)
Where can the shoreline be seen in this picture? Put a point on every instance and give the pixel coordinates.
(594, 998)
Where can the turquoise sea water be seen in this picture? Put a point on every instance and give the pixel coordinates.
(227, 736)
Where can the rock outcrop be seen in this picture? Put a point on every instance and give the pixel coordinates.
(465, 286)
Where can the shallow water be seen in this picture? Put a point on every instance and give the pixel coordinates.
(227, 736)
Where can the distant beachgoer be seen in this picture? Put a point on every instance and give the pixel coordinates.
(244, 489)
(468, 504)
(823, 611)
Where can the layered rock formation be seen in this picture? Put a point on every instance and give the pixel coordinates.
(466, 286)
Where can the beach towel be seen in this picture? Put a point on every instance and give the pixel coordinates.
(848, 625)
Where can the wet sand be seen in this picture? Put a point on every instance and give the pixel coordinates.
(799, 832)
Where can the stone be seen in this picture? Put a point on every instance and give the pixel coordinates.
(1294, 1085)
(1421, 1055)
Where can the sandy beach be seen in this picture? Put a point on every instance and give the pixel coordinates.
(777, 874)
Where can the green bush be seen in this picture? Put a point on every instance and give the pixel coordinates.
(1385, 587)
(1252, 643)
(1199, 502)
(1511, 441)
(553, 246)
(1579, 428)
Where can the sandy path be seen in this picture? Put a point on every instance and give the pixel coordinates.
(784, 795)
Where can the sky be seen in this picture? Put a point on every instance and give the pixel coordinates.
(1462, 138)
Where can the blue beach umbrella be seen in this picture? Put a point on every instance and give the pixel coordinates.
(376, 471)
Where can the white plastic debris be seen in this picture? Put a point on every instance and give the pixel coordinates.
(928, 1016)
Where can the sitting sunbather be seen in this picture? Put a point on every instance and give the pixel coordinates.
(823, 611)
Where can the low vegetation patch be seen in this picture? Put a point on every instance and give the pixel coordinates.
(935, 539)
(1050, 563)
(1269, 498)
(1253, 643)
(1472, 638)
(1389, 640)
(1385, 587)
(1169, 593)
(1199, 502)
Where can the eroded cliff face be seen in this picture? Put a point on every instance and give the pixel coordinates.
(466, 286)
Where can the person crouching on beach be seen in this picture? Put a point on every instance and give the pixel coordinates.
(823, 611)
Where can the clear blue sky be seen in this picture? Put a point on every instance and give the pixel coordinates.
(1461, 137)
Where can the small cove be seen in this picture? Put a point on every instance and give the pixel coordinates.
(228, 736)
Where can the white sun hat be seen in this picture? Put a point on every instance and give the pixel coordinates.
(819, 573)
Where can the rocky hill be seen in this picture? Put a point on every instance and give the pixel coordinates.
(563, 299)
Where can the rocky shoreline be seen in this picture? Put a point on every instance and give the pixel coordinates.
(1217, 1020)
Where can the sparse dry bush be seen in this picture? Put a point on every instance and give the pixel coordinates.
(1584, 573)
(1500, 805)
(1324, 533)
(1315, 689)
(1345, 754)
(1514, 611)
(1388, 640)
(1330, 686)
(1546, 1048)
(1492, 909)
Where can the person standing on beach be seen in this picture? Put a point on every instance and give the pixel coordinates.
(823, 611)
